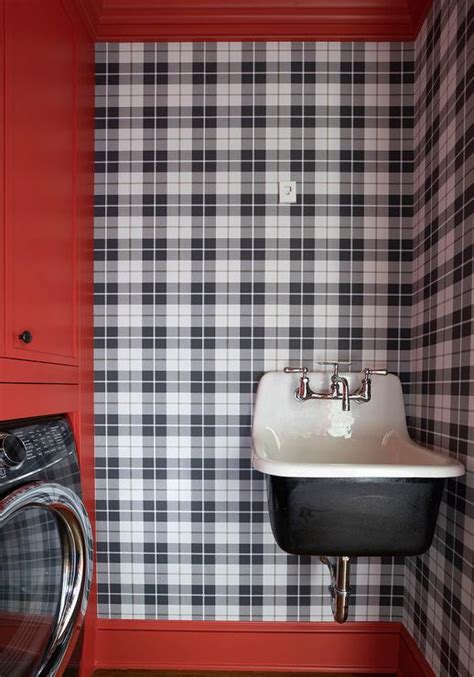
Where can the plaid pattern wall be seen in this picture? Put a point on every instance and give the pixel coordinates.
(204, 281)
(439, 585)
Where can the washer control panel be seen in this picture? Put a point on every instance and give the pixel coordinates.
(26, 447)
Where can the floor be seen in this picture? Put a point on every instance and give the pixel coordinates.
(183, 673)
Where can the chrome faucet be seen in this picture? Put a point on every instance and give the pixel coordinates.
(339, 386)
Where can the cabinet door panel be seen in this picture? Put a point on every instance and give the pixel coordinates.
(40, 238)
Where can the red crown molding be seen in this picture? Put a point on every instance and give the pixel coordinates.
(418, 11)
(91, 11)
(210, 20)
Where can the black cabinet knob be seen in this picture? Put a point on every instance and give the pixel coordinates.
(26, 336)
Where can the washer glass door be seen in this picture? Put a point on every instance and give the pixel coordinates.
(46, 572)
(30, 589)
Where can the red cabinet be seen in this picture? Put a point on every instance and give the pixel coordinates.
(46, 239)
(40, 284)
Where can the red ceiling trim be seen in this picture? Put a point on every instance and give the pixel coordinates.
(418, 11)
(91, 11)
(194, 20)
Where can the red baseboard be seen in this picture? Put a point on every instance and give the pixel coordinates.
(277, 647)
(411, 662)
(199, 645)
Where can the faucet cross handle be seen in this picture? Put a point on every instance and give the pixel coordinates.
(296, 370)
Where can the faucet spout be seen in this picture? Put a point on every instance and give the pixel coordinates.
(343, 382)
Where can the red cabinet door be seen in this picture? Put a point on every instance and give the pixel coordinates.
(40, 237)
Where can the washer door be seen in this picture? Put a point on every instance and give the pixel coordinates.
(46, 565)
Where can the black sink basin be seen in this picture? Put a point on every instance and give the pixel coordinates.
(353, 516)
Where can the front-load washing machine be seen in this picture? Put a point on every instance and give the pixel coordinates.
(45, 548)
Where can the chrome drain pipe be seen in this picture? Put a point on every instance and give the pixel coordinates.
(340, 590)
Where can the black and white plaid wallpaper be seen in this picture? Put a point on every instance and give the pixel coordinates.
(439, 585)
(204, 281)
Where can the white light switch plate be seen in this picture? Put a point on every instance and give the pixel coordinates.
(287, 191)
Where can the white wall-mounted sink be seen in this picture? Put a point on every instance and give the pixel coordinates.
(345, 483)
(318, 439)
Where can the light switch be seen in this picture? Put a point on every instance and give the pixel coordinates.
(287, 191)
